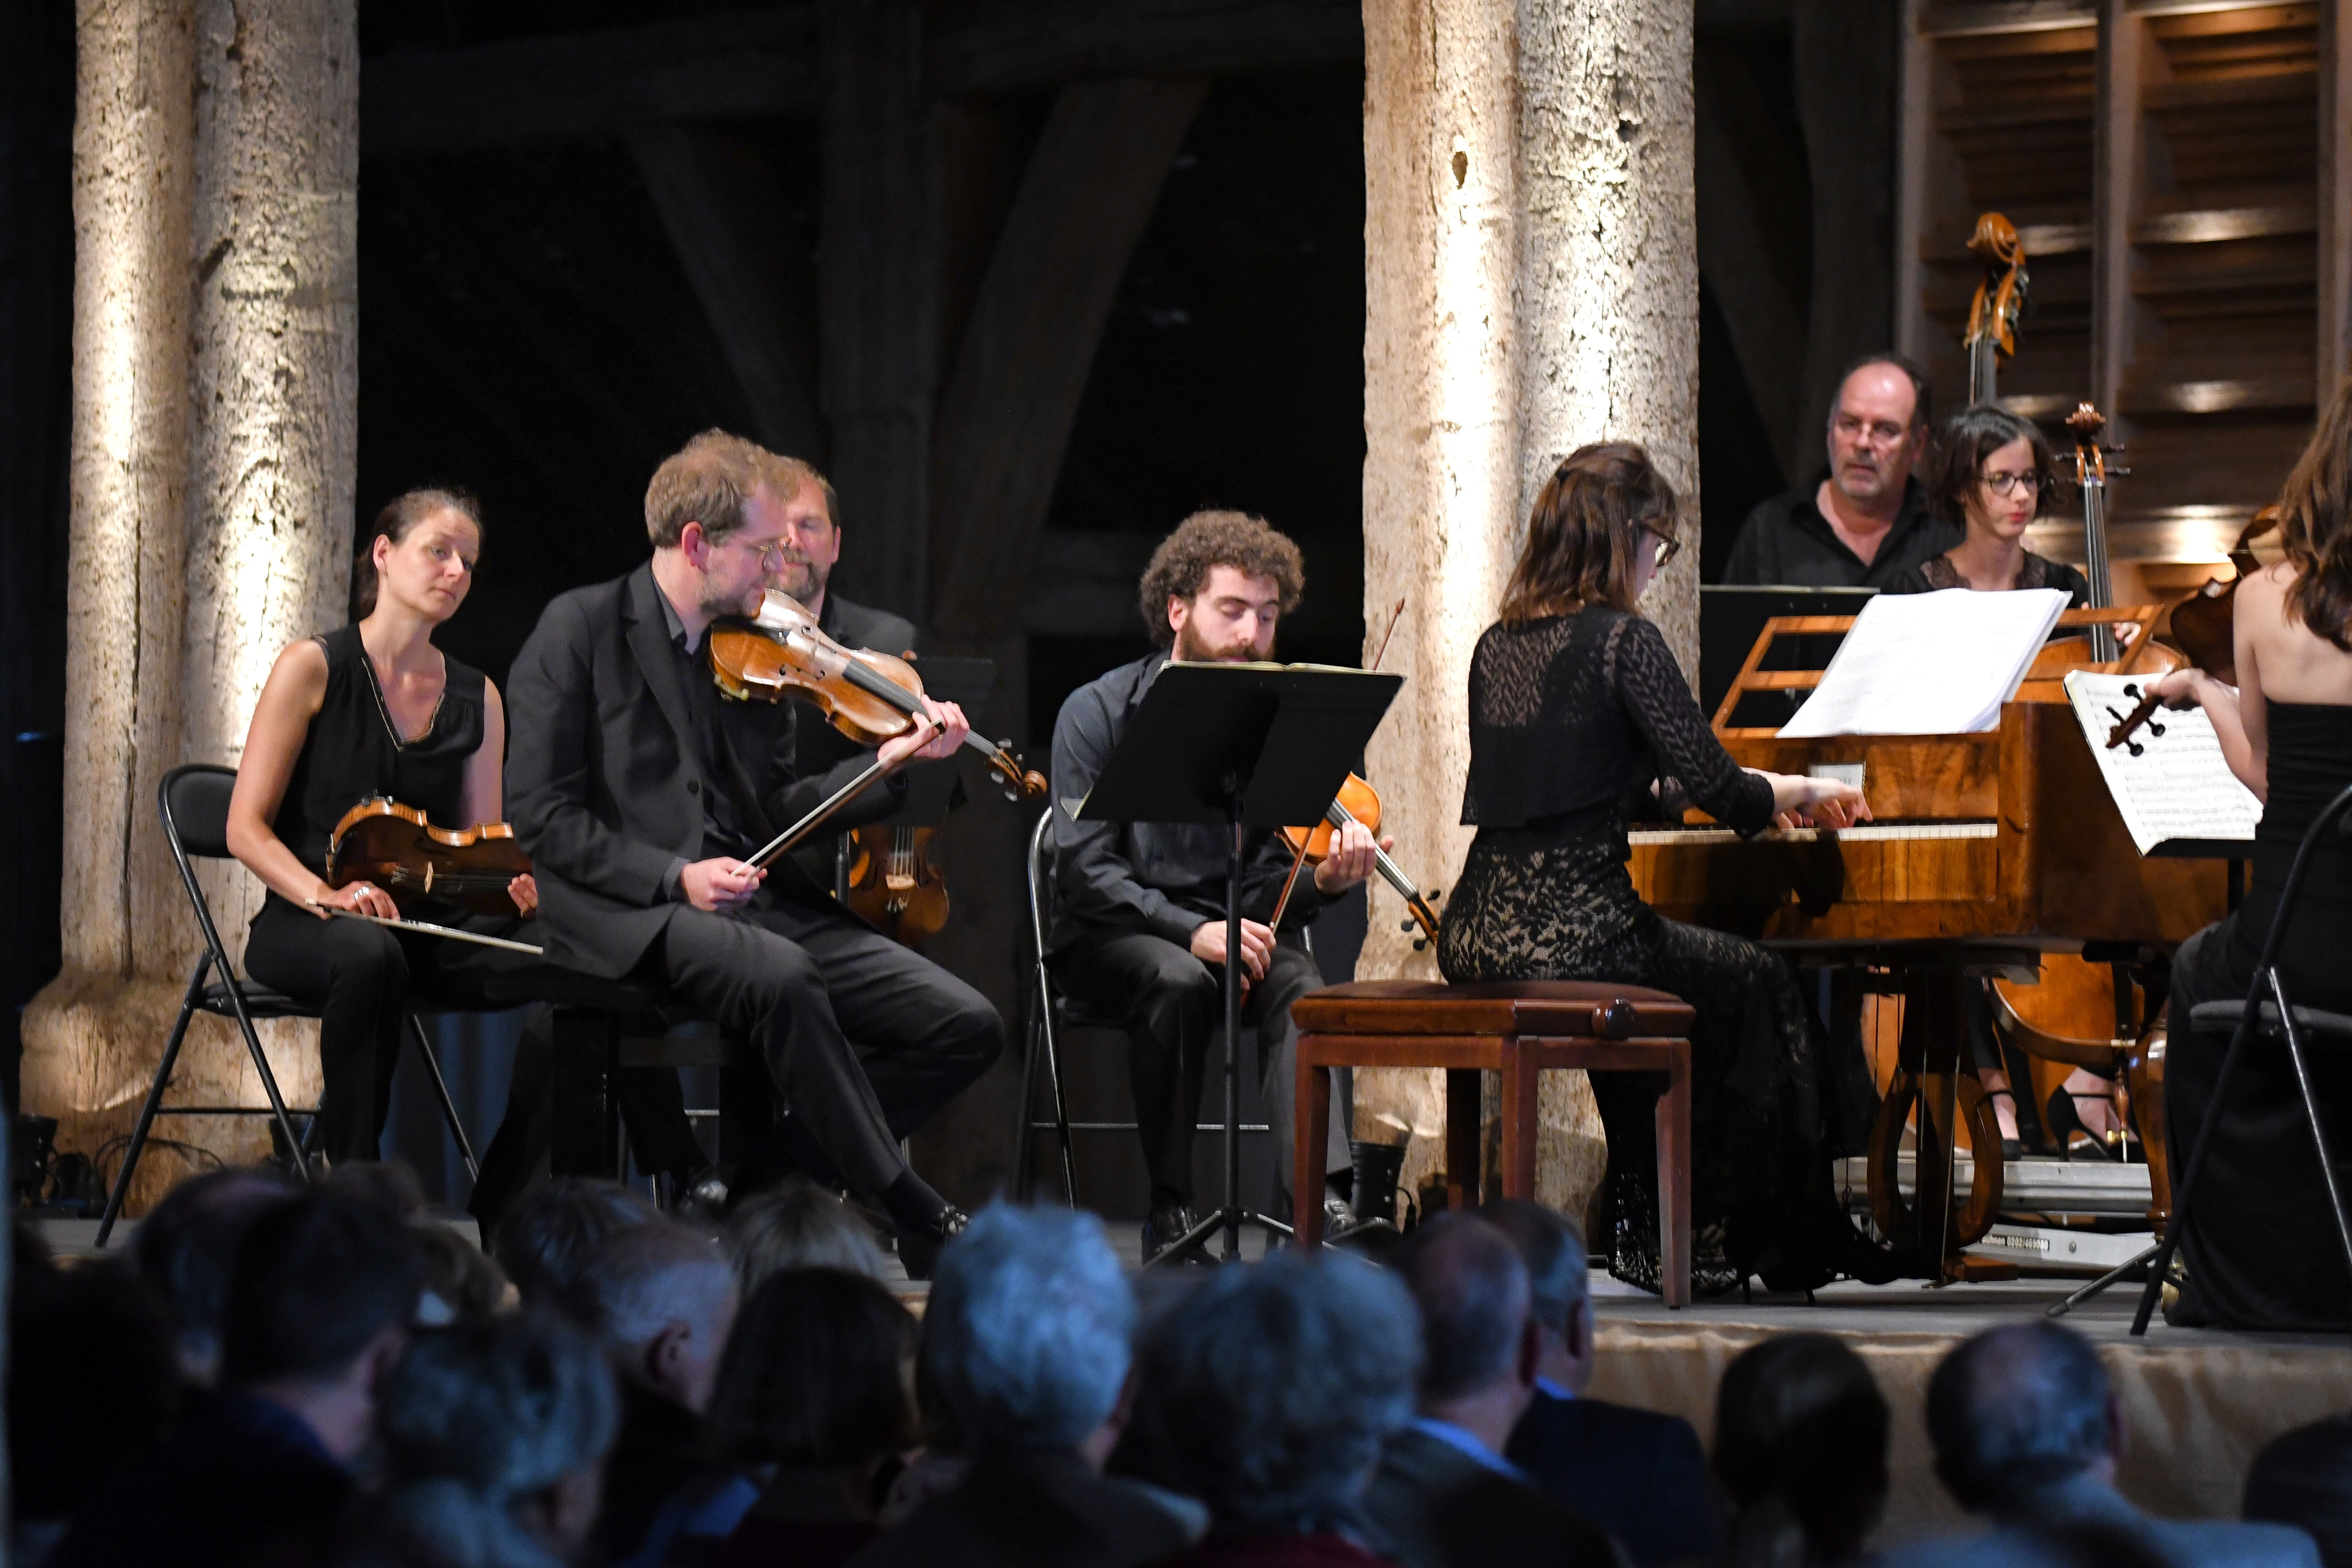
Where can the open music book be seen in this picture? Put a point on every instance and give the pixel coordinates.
(1929, 664)
(2176, 795)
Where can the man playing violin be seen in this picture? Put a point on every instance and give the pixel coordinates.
(374, 709)
(1138, 928)
(639, 792)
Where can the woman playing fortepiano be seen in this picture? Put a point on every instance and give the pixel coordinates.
(1580, 718)
(2261, 1248)
(1991, 474)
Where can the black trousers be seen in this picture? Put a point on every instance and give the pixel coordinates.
(365, 979)
(1172, 1005)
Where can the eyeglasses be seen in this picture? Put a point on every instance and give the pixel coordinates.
(2005, 484)
(1665, 549)
(1885, 432)
(769, 557)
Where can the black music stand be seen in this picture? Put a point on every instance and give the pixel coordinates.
(1248, 745)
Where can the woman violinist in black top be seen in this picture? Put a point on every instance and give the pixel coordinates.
(1578, 719)
(373, 708)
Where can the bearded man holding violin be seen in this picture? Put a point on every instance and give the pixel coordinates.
(639, 793)
(1138, 930)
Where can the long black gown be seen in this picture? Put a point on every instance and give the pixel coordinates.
(2260, 1244)
(1573, 719)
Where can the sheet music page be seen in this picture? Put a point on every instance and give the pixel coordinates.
(1929, 664)
(2178, 786)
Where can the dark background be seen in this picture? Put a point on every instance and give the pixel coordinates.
(526, 330)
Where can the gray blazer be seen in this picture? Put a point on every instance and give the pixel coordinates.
(605, 795)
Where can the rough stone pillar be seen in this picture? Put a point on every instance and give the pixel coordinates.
(215, 395)
(1531, 284)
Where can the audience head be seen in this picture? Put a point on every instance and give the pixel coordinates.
(1477, 1341)
(1560, 1284)
(798, 1225)
(1879, 427)
(1801, 1448)
(1030, 1329)
(493, 1433)
(2304, 1478)
(2315, 526)
(1983, 449)
(184, 1248)
(1603, 527)
(660, 1300)
(817, 1374)
(319, 1301)
(1270, 1390)
(556, 1227)
(1215, 588)
(93, 1377)
(2016, 1409)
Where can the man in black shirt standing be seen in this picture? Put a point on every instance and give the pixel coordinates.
(1138, 926)
(1866, 521)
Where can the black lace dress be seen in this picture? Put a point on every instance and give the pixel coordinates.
(1572, 721)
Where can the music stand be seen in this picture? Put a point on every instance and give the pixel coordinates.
(1248, 745)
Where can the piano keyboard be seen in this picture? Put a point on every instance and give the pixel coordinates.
(1867, 833)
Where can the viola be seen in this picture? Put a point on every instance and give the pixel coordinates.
(869, 696)
(394, 846)
(1359, 802)
(895, 884)
(2205, 626)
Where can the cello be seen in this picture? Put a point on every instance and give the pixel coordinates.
(1998, 304)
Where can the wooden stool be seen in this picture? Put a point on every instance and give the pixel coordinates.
(1517, 1029)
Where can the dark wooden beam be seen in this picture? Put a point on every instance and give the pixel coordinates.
(733, 65)
(1022, 365)
(1001, 46)
(727, 220)
(878, 293)
(1849, 75)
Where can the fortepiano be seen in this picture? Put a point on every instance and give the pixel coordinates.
(1987, 851)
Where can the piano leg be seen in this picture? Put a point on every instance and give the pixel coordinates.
(1935, 1076)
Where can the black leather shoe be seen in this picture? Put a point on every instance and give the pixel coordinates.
(919, 1250)
(1169, 1223)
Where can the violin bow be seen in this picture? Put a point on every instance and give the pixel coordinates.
(1299, 860)
(791, 837)
(426, 928)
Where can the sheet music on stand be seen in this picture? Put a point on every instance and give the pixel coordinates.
(1929, 664)
(2175, 790)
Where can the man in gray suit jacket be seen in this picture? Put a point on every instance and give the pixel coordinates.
(2027, 1433)
(639, 793)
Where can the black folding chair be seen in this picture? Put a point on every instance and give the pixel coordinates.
(194, 803)
(1052, 1018)
(2265, 1011)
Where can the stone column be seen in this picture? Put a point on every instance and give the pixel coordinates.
(1531, 284)
(215, 392)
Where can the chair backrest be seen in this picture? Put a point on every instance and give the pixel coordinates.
(194, 801)
(1040, 865)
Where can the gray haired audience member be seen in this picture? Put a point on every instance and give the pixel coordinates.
(183, 1250)
(1445, 1496)
(549, 1235)
(1267, 1393)
(1027, 1339)
(492, 1431)
(1638, 1474)
(659, 1299)
(2304, 1478)
(799, 1225)
(1800, 1448)
(2027, 1433)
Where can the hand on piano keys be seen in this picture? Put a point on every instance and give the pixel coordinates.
(1799, 801)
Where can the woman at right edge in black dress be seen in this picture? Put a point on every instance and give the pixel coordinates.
(2261, 1244)
(1578, 719)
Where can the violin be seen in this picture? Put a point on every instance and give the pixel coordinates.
(393, 846)
(2205, 626)
(1999, 303)
(869, 696)
(1359, 802)
(895, 884)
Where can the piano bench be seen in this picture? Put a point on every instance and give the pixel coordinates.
(1516, 1029)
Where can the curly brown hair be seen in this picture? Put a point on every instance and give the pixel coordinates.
(1603, 503)
(1180, 567)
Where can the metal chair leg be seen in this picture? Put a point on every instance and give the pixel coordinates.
(122, 1193)
(1023, 1139)
(441, 1091)
(1060, 1099)
(270, 1082)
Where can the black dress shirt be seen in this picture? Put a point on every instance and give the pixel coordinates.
(1786, 542)
(722, 823)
